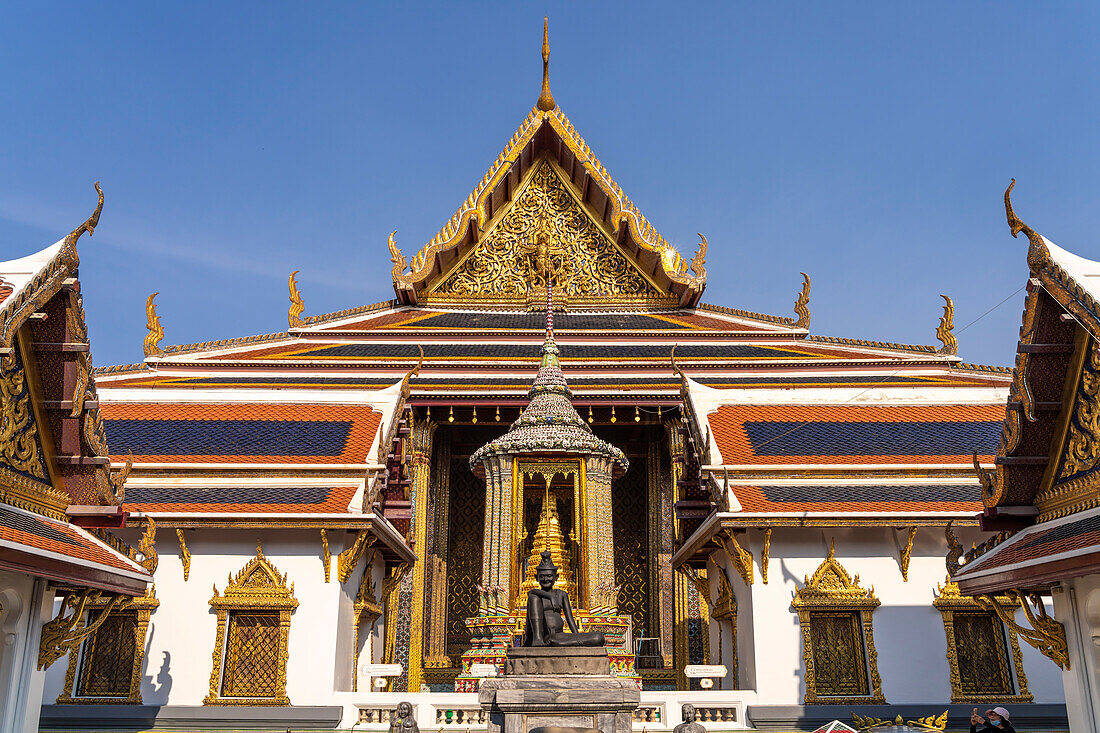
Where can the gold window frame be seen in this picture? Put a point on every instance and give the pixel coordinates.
(142, 607)
(258, 586)
(832, 590)
(948, 600)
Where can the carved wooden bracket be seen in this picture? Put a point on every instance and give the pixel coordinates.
(1045, 634)
(740, 558)
(64, 633)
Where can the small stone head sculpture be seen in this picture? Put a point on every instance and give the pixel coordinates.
(688, 712)
(546, 572)
(404, 710)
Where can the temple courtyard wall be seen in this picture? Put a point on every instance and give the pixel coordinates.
(908, 630)
(909, 634)
(179, 645)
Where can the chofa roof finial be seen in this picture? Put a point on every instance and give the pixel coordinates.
(1037, 254)
(546, 99)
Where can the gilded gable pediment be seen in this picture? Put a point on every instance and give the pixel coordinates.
(547, 142)
(545, 234)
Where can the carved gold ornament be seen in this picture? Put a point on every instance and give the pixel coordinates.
(400, 264)
(348, 559)
(1045, 634)
(739, 558)
(954, 551)
(546, 235)
(19, 440)
(1082, 451)
(474, 213)
(257, 589)
(367, 610)
(907, 554)
(802, 304)
(986, 477)
(326, 555)
(93, 659)
(155, 331)
(950, 345)
(764, 553)
(928, 723)
(110, 485)
(297, 305)
(78, 333)
(67, 630)
(950, 601)
(697, 579)
(546, 99)
(828, 592)
(147, 546)
(1038, 254)
(16, 309)
(185, 554)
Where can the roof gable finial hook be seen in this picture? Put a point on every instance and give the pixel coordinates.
(546, 99)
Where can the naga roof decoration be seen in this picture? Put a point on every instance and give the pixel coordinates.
(35, 279)
(548, 135)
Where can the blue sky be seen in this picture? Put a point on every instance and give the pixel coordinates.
(865, 143)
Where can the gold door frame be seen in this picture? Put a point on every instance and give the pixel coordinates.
(548, 469)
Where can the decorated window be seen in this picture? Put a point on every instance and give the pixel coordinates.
(838, 645)
(979, 649)
(250, 649)
(107, 667)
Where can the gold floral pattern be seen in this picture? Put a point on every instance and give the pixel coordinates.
(546, 233)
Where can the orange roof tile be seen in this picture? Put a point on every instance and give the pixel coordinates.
(855, 434)
(242, 433)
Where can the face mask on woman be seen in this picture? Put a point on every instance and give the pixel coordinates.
(996, 723)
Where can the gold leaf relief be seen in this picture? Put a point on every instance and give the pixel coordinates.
(18, 431)
(544, 235)
(1082, 451)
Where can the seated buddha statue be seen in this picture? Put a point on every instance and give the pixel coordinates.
(545, 607)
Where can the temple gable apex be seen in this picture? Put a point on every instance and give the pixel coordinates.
(546, 158)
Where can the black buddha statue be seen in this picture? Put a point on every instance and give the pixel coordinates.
(545, 607)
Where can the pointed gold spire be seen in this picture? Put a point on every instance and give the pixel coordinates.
(548, 536)
(546, 99)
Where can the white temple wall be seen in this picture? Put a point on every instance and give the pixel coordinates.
(1077, 607)
(180, 642)
(908, 630)
(27, 604)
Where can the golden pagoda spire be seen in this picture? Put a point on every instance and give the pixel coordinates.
(548, 536)
(546, 99)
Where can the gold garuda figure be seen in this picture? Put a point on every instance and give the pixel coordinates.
(545, 257)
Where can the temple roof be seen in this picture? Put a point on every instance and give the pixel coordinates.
(549, 423)
(1040, 494)
(548, 138)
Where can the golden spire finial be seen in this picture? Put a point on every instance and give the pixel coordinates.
(156, 331)
(294, 315)
(546, 99)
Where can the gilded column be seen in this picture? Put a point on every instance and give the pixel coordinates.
(662, 544)
(676, 453)
(496, 564)
(692, 632)
(436, 657)
(598, 536)
(419, 458)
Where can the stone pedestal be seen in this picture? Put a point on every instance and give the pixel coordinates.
(558, 687)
